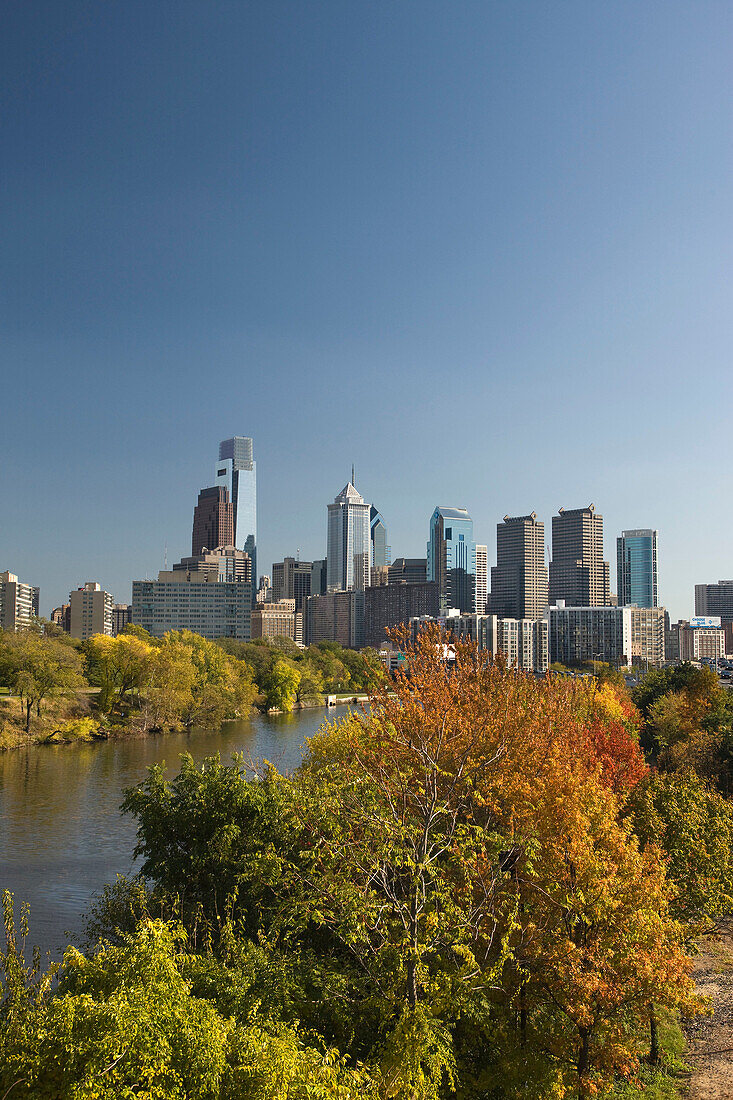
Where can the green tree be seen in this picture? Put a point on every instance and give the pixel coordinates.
(281, 686)
(37, 668)
(210, 837)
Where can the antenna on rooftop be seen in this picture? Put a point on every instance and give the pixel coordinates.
(165, 557)
(353, 482)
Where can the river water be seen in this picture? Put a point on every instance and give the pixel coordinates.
(62, 836)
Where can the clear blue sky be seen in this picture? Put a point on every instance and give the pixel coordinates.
(482, 250)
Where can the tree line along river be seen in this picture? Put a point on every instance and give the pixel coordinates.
(62, 836)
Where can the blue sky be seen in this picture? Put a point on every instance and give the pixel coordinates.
(481, 250)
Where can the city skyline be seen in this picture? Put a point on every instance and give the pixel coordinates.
(170, 552)
(441, 227)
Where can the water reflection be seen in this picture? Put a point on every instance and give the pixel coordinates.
(61, 833)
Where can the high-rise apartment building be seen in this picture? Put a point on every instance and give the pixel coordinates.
(349, 542)
(92, 611)
(452, 558)
(213, 520)
(636, 568)
(392, 605)
(617, 635)
(336, 617)
(237, 471)
(19, 602)
(291, 580)
(482, 579)
(519, 586)
(578, 573)
(381, 552)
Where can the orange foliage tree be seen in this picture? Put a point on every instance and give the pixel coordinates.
(464, 844)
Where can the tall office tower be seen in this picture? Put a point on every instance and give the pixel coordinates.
(237, 470)
(92, 611)
(452, 558)
(578, 573)
(636, 568)
(291, 580)
(19, 602)
(482, 578)
(213, 520)
(381, 553)
(519, 578)
(349, 542)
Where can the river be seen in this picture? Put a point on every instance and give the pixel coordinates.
(62, 836)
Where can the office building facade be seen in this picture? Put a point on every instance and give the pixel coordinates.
(578, 573)
(191, 600)
(380, 551)
(636, 568)
(715, 599)
(451, 558)
(291, 580)
(277, 619)
(408, 571)
(519, 584)
(213, 520)
(19, 602)
(236, 470)
(348, 542)
(92, 611)
(121, 616)
(701, 639)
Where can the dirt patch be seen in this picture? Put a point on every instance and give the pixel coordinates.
(711, 1037)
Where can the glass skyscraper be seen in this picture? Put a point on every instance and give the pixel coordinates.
(636, 564)
(237, 470)
(381, 552)
(348, 541)
(452, 558)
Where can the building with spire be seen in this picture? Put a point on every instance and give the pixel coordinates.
(348, 542)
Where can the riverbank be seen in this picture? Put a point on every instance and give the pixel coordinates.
(67, 722)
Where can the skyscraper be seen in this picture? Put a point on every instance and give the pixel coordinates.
(348, 542)
(381, 553)
(452, 558)
(237, 470)
(636, 568)
(519, 578)
(578, 573)
(213, 520)
(482, 578)
(291, 580)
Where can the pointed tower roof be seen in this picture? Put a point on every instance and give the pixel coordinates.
(349, 495)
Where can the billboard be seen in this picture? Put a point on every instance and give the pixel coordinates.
(705, 620)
